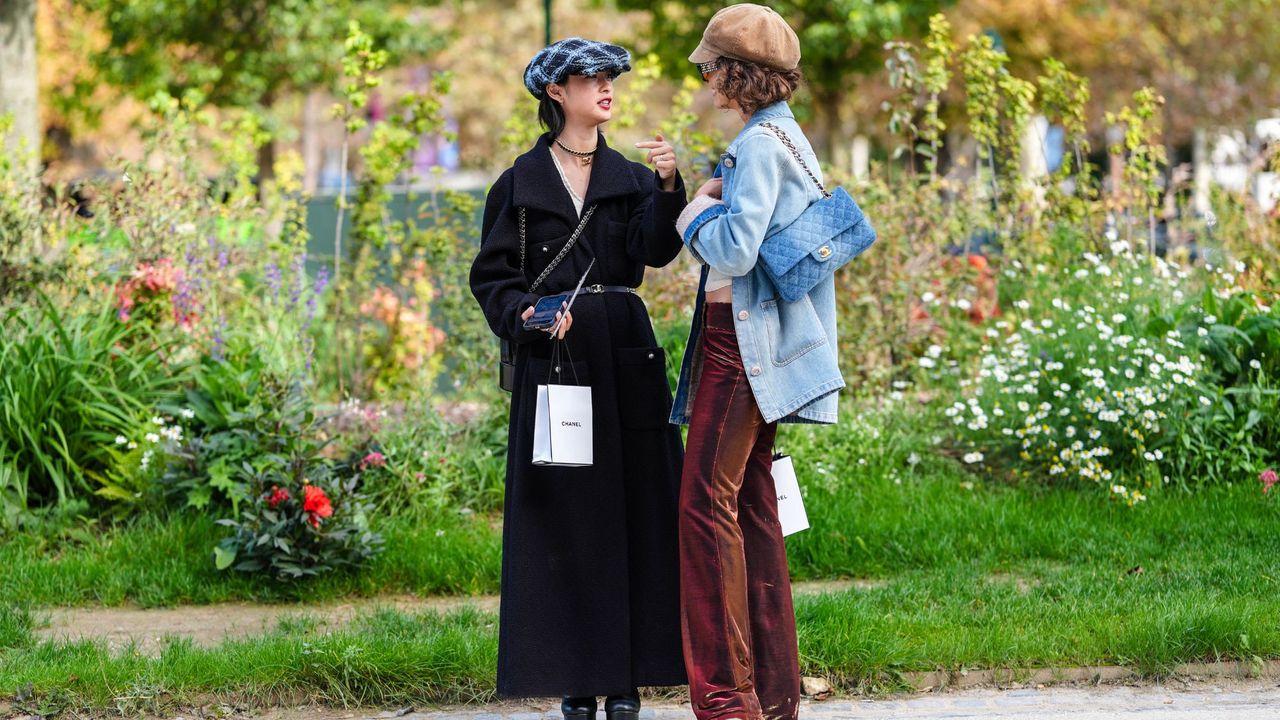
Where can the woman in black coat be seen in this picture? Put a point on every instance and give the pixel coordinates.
(590, 600)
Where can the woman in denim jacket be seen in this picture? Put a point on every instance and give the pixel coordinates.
(753, 360)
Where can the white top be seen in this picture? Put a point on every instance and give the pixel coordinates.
(577, 201)
(717, 279)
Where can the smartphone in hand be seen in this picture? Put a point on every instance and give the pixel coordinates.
(544, 312)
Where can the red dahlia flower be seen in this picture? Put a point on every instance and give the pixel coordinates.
(315, 504)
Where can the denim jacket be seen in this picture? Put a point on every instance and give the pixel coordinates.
(789, 350)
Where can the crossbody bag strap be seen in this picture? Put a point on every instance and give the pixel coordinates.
(573, 240)
(796, 154)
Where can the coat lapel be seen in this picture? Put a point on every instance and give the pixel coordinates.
(611, 176)
(538, 185)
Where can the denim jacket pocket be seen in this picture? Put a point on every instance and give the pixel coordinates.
(794, 329)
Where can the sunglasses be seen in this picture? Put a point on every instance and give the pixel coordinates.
(707, 68)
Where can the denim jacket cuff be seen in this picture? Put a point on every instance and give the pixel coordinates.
(696, 214)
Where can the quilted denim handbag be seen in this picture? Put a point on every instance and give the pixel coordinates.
(829, 233)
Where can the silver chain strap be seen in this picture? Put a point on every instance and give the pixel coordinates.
(796, 154)
(573, 239)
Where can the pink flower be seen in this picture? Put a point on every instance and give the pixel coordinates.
(373, 459)
(1268, 478)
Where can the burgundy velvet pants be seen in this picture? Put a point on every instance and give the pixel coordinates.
(739, 623)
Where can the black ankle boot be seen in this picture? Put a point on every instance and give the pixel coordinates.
(622, 707)
(578, 708)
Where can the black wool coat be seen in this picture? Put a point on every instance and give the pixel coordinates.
(590, 593)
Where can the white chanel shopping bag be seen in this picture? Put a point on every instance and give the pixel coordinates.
(562, 426)
(562, 434)
(790, 505)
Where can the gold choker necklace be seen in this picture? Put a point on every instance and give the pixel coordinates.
(584, 158)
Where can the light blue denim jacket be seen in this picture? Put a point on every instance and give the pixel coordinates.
(789, 350)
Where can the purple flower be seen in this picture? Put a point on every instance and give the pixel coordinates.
(274, 280)
(299, 270)
(184, 303)
(219, 340)
(317, 289)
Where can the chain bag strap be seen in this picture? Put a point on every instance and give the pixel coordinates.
(786, 140)
(507, 355)
(827, 234)
(573, 240)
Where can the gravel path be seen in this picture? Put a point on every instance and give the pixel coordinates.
(1223, 700)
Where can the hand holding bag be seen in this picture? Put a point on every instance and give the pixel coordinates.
(562, 427)
(829, 233)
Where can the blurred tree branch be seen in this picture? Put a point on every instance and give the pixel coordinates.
(244, 54)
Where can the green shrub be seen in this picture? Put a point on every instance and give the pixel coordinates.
(1098, 375)
(298, 527)
(1235, 436)
(426, 462)
(243, 416)
(73, 382)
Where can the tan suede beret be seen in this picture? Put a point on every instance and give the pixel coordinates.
(754, 33)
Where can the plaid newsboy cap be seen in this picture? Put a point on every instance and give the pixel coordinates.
(573, 56)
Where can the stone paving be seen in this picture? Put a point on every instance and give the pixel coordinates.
(1225, 700)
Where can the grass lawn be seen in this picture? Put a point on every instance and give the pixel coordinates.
(965, 573)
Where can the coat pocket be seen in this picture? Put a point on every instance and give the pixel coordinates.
(794, 329)
(538, 255)
(644, 398)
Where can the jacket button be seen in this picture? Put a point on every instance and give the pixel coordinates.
(743, 315)
(755, 371)
(544, 248)
(728, 162)
(650, 356)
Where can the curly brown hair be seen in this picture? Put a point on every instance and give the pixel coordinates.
(754, 86)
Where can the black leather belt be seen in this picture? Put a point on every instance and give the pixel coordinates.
(597, 289)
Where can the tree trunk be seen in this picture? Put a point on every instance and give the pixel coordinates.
(19, 86)
(266, 164)
(267, 150)
(826, 115)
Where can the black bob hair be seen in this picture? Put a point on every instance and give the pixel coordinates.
(550, 112)
(551, 115)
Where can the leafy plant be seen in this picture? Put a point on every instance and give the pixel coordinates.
(1116, 370)
(428, 462)
(305, 519)
(72, 384)
(1146, 156)
(245, 422)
